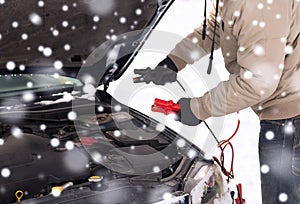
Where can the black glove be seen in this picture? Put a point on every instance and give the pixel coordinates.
(185, 115)
(164, 72)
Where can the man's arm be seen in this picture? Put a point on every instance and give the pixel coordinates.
(259, 65)
(192, 48)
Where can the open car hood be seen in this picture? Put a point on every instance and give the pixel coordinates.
(36, 34)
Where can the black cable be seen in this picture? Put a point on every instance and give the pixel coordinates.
(213, 40)
(204, 22)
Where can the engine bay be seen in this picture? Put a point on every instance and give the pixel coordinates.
(43, 149)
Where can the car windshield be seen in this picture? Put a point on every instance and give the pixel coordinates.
(11, 85)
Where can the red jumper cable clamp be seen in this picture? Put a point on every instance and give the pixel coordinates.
(166, 107)
(240, 199)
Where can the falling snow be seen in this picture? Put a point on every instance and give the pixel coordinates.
(5, 172)
(248, 74)
(28, 96)
(72, 115)
(10, 65)
(270, 135)
(47, 51)
(156, 169)
(289, 49)
(41, 3)
(67, 47)
(181, 143)
(65, 24)
(283, 197)
(35, 19)
(160, 127)
(96, 19)
(123, 20)
(265, 169)
(24, 36)
(43, 127)
(138, 11)
(16, 132)
(58, 64)
(259, 50)
(117, 133)
(69, 145)
(100, 109)
(65, 8)
(15, 24)
(54, 142)
(289, 128)
(117, 108)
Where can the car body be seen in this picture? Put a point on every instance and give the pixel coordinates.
(63, 139)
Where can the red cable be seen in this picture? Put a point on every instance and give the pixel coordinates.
(223, 144)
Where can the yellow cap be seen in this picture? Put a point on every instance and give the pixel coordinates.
(95, 178)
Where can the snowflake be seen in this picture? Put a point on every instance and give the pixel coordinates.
(16, 132)
(100, 109)
(35, 19)
(281, 66)
(248, 74)
(69, 145)
(5, 172)
(277, 16)
(10, 65)
(262, 24)
(55, 32)
(15, 24)
(1, 141)
(255, 22)
(195, 40)
(41, 3)
(160, 127)
(117, 133)
(96, 19)
(289, 49)
(58, 64)
(117, 108)
(283, 197)
(289, 128)
(47, 51)
(156, 169)
(65, 24)
(43, 127)
(242, 49)
(54, 142)
(181, 143)
(65, 8)
(123, 20)
(270, 135)
(24, 36)
(260, 6)
(265, 169)
(29, 84)
(138, 11)
(67, 47)
(2, 1)
(237, 13)
(167, 196)
(259, 50)
(72, 115)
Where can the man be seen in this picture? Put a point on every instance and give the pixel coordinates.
(261, 48)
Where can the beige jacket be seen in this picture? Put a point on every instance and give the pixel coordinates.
(260, 42)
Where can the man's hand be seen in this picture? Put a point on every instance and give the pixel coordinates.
(164, 72)
(185, 115)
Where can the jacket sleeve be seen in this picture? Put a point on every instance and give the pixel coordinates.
(260, 62)
(192, 47)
